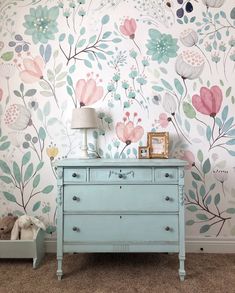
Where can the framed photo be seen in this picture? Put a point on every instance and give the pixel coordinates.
(143, 152)
(158, 143)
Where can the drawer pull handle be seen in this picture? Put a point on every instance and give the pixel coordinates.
(75, 198)
(167, 228)
(76, 229)
(167, 175)
(120, 176)
(167, 198)
(75, 175)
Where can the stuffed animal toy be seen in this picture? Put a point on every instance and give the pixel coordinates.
(6, 225)
(26, 227)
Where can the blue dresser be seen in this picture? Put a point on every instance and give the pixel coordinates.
(120, 206)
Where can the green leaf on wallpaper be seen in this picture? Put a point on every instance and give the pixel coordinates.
(82, 30)
(61, 76)
(7, 56)
(17, 93)
(192, 194)
(81, 43)
(232, 153)
(52, 121)
(116, 40)
(222, 14)
(4, 167)
(4, 146)
(22, 87)
(192, 19)
(166, 84)
(103, 46)
(28, 172)
(47, 189)
(178, 86)
(44, 85)
(50, 75)
(61, 37)
(212, 186)
(3, 138)
(47, 109)
(109, 52)
(157, 88)
(9, 196)
(39, 114)
(230, 142)
(194, 184)
(42, 133)
(208, 199)
(208, 133)
(206, 166)
(231, 132)
(190, 222)
(72, 68)
(218, 122)
(16, 172)
(26, 158)
(204, 228)
(202, 191)
(6, 179)
(91, 56)
(101, 55)
(106, 35)
(60, 84)
(228, 124)
(217, 199)
(225, 113)
(196, 176)
(192, 208)
(46, 94)
(69, 90)
(202, 217)
(105, 19)
(187, 125)
(88, 63)
(92, 39)
(230, 211)
(36, 206)
(200, 156)
(70, 39)
(36, 181)
(30, 93)
(189, 110)
(58, 68)
(39, 166)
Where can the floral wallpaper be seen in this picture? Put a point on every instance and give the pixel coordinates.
(145, 65)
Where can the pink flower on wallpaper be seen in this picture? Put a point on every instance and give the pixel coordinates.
(209, 101)
(87, 92)
(128, 133)
(188, 156)
(33, 69)
(163, 120)
(128, 28)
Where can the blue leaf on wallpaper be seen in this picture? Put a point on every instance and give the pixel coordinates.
(106, 35)
(41, 50)
(81, 43)
(166, 84)
(30, 92)
(228, 124)
(88, 63)
(105, 19)
(47, 189)
(228, 92)
(72, 68)
(157, 88)
(91, 56)
(70, 39)
(9, 196)
(208, 133)
(42, 133)
(201, 130)
(28, 172)
(36, 206)
(187, 125)
(69, 80)
(116, 40)
(232, 153)
(69, 90)
(231, 132)
(206, 166)
(26, 158)
(103, 46)
(101, 55)
(47, 53)
(178, 86)
(230, 142)
(205, 228)
(92, 39)
(17, 172)
(4, 146)
(225, 113)
(218, 122)
(36, 181)
(61, 37)
(47, 109)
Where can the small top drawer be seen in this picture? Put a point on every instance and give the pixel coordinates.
(75, 175)
(121, 175)
(166, 175)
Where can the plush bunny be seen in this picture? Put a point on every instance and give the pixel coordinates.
(26, 227)
(6, 225)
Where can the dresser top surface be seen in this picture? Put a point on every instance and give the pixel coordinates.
(121, 163)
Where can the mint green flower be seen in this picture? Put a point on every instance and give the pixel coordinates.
(162, 47)
(41, 24)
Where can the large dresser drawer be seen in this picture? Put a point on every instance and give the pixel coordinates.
(121, 175)
(125, 228)
(124, 198)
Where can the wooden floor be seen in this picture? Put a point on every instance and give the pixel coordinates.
(101, 273)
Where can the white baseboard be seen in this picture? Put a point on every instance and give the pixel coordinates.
(193, 245)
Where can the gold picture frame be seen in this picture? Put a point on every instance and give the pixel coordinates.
(144, 152)
(158, 143)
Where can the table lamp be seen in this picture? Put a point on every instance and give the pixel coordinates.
(84, 118)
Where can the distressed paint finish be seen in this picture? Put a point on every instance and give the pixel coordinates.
(112, 215)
